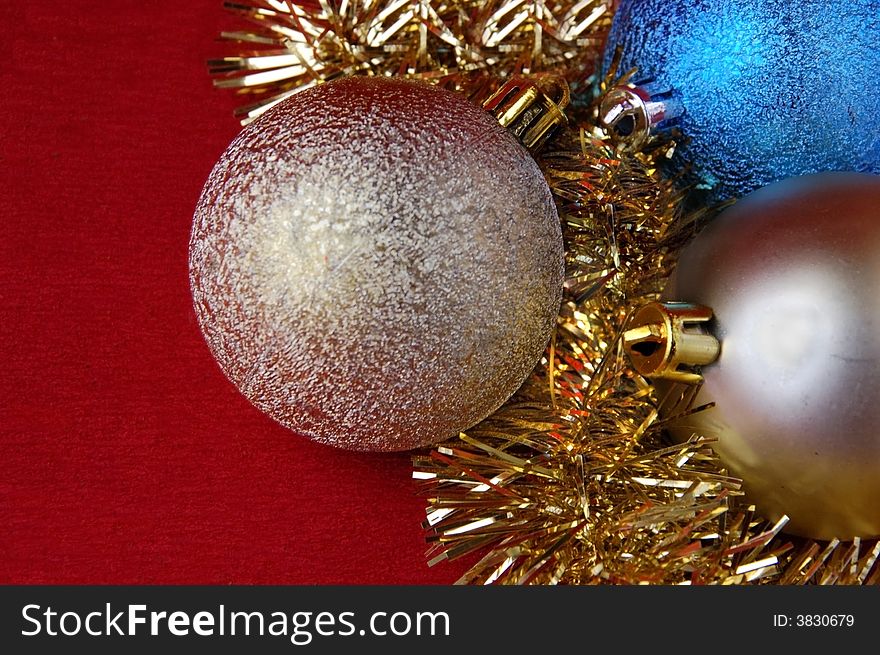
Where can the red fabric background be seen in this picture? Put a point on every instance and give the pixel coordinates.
(127, 457)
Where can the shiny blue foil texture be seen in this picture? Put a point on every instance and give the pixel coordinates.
(768, 89)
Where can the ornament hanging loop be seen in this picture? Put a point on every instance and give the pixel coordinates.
(668, 340)
(531, 108)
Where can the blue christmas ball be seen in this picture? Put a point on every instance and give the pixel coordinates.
(766, 89)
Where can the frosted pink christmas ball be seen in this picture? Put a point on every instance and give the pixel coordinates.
(376, 264)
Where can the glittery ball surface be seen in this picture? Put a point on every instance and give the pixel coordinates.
(376, 264)
(770, 89)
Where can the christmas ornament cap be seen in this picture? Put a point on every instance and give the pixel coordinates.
(668, 340)
(530, 108)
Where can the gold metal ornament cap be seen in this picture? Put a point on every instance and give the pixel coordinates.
(668, 340)
(531, 108)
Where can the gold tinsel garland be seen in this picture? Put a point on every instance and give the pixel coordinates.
(571, 481)
(465, 45)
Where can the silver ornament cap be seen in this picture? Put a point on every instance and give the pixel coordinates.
(376, 264)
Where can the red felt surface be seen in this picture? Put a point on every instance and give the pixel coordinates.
(127, 457)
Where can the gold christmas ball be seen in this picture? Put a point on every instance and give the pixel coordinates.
(376, 264)
(791, 273)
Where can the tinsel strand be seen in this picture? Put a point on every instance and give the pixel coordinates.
(463, 45)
